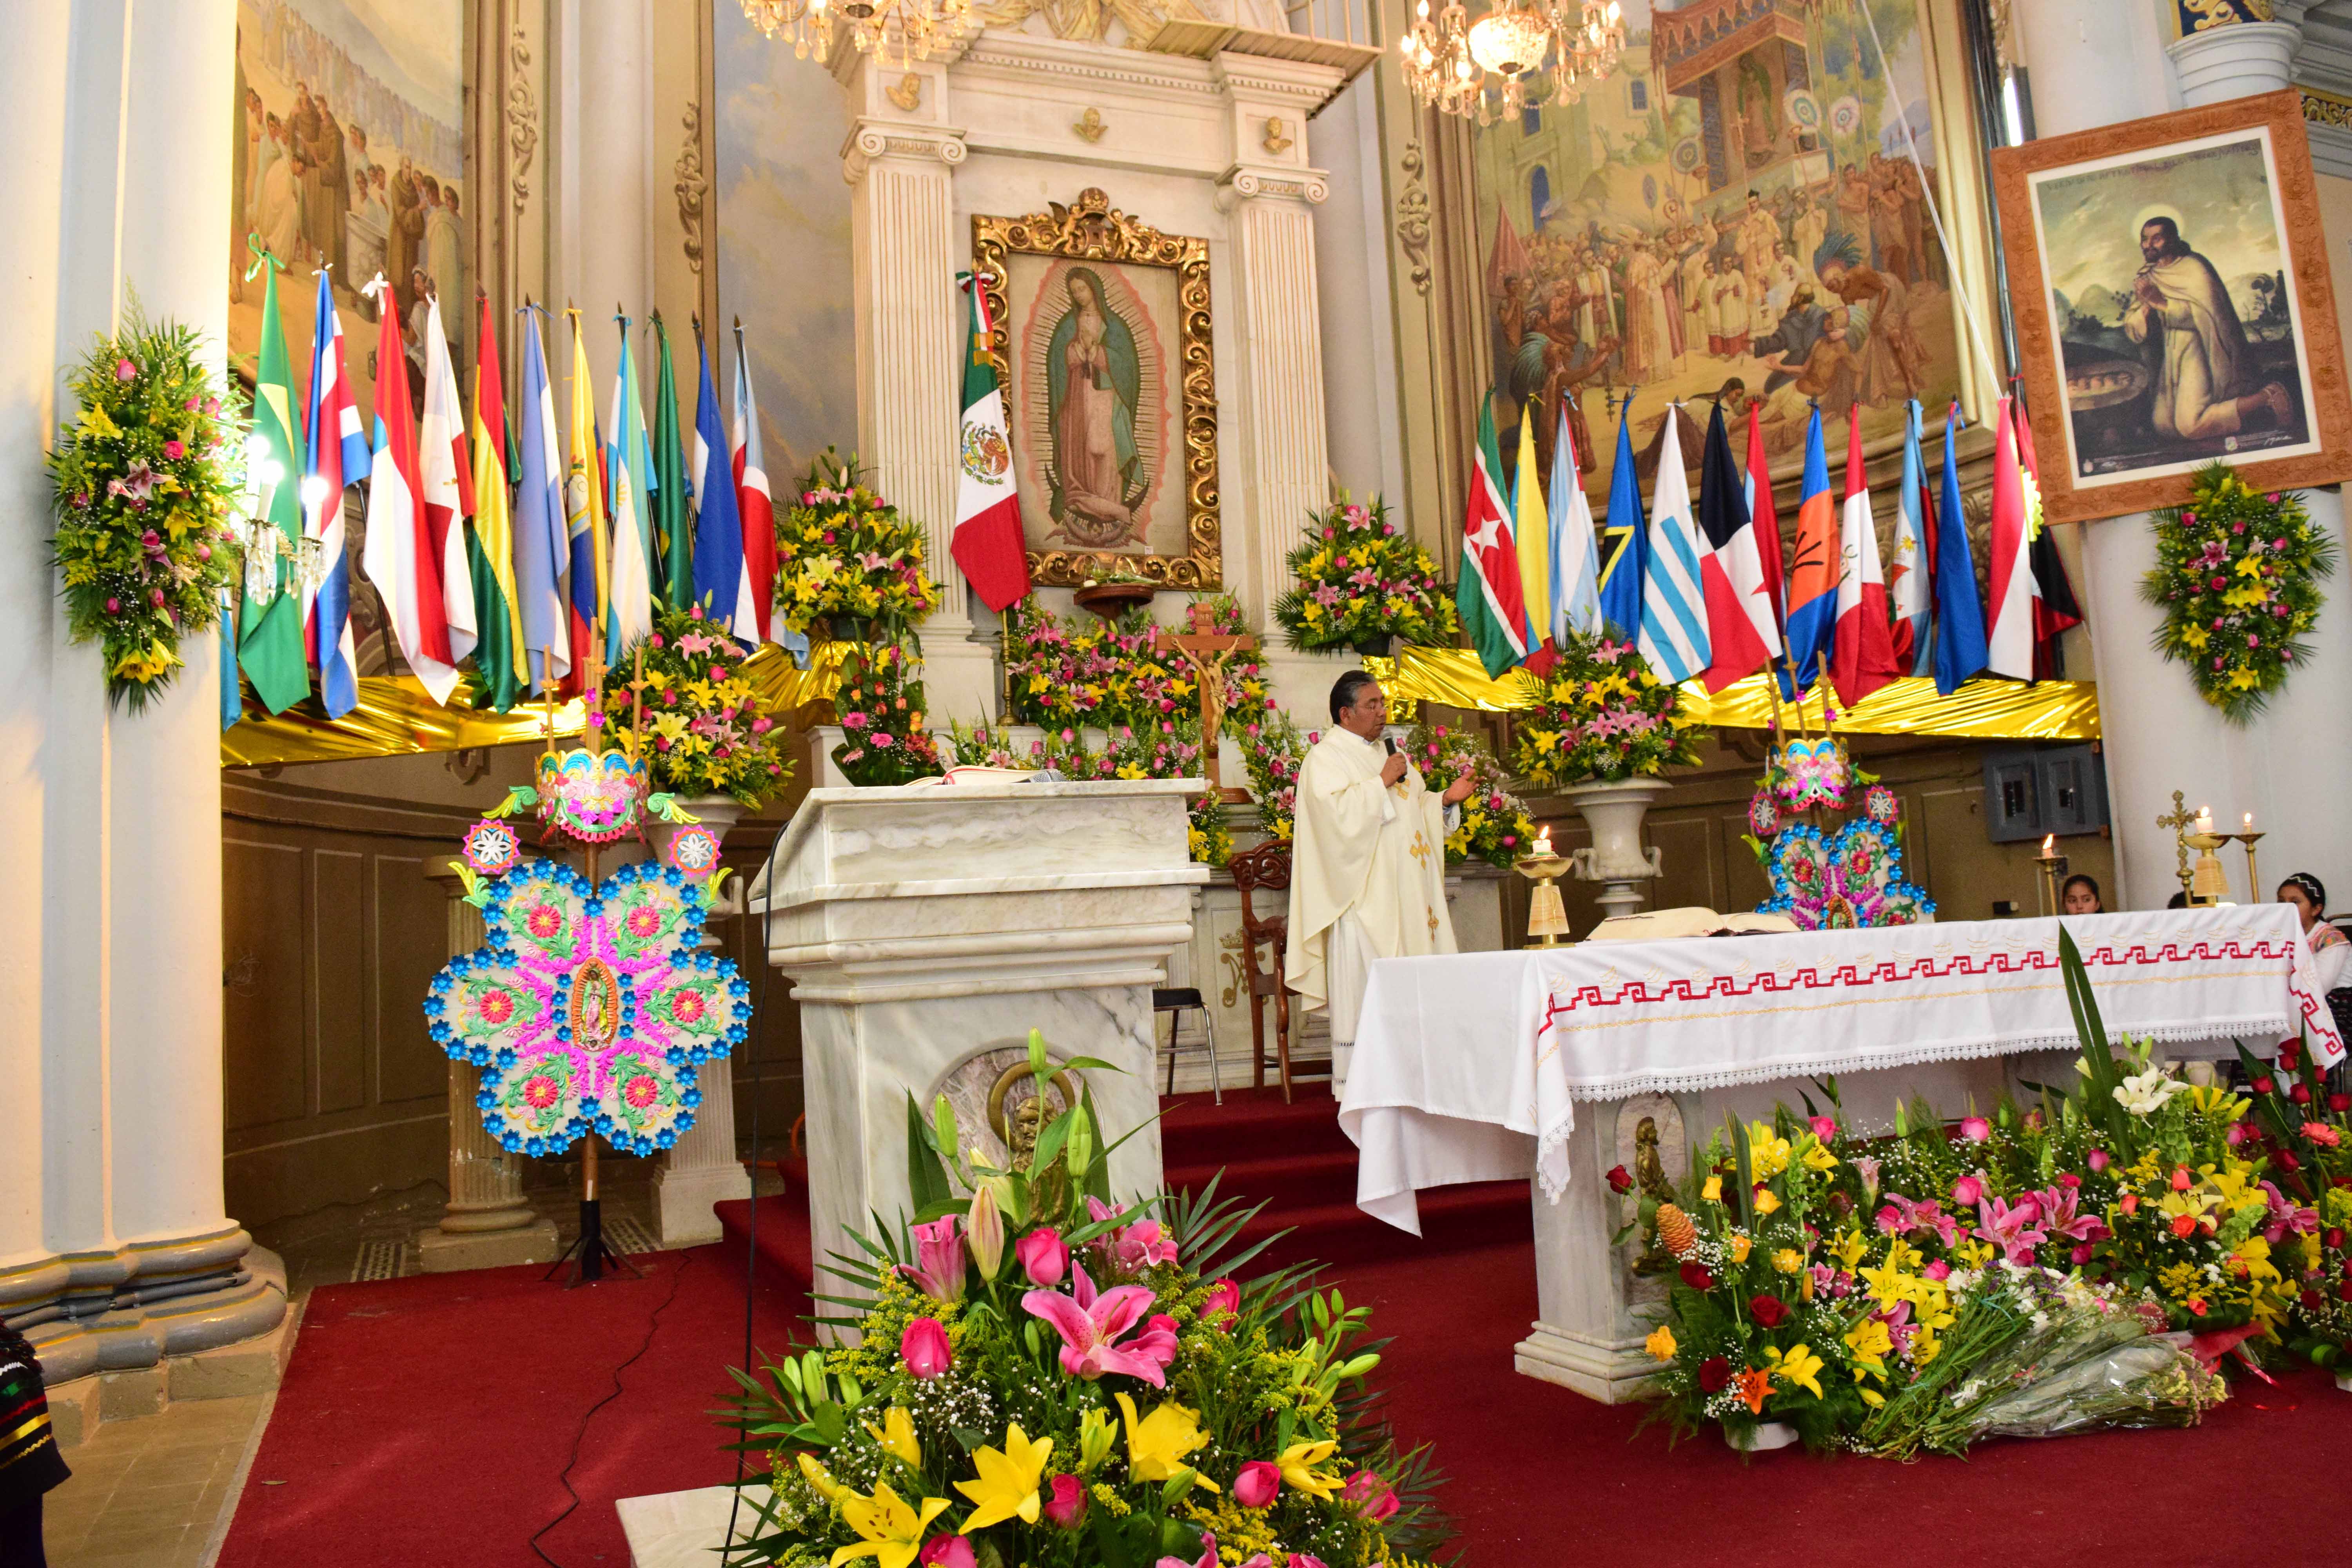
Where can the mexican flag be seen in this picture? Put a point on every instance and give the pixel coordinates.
(1494, 611)
(987, 539)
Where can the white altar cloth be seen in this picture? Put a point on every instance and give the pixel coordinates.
(1466, 1066)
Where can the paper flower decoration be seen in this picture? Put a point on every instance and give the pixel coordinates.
(1881, 805)
(1763, 813)
(1841, 883)
(492, 849)
(695, 851)
(1813, 772)
(592, 796)
(589, 1007)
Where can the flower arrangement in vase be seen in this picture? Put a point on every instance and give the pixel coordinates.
(145, 485)
(1117, 672)
(702, 732)
(2236, 575)
(845, 555)
(1044, 1376)
(880, 704)
(1360, 581)
(1496, 828)
(1602, 716)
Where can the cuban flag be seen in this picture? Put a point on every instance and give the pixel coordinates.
(1864, 658)
(1674, 642)
(1813, 572)
(338, 456)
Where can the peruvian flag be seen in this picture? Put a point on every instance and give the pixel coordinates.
(987, 539)
(399, 555)
(2008, 618)
(446, 481)
(1494, 611)
(1742, 630)
(755, 510)
(1863, 659)
(338, 458)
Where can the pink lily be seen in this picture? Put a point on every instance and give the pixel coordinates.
(1089, 1323)
(1207, 1556)
(939, 1265)
(2057, 1204)
(1899, 1325)
(2009, 1226)
(2286, 1217)
(1373, 1496)
(1132, 1247)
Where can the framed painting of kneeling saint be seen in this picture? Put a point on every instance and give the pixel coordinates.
(2170, 286)
(1100, 327)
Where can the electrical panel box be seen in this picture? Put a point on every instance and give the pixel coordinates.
(2030, 792)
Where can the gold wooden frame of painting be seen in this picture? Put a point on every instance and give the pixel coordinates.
(2306, 266)
(1092, 229)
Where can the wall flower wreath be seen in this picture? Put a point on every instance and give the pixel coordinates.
(145, 484)
(2237, 578)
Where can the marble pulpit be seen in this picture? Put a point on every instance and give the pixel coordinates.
(927, 929)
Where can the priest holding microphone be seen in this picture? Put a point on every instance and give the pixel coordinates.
(1368, 862)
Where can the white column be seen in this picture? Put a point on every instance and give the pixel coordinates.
(33, 53)
(2235, 62)
(612, 136)
(2093, 64)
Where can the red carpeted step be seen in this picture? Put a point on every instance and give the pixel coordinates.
(1252, 1124)
(1342, 1237)
(782, 1242)
(1287, 1181)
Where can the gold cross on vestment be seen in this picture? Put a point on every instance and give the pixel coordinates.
(1421, 849)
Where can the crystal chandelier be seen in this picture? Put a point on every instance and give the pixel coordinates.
(1477, 69)
(897, 32)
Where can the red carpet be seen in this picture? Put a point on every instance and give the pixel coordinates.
(424, 1422)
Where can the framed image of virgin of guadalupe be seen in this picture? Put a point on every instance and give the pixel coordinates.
(1099, 330)
(2173, 307)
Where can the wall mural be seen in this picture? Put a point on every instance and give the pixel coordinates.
(785, 270)
(1731, 211)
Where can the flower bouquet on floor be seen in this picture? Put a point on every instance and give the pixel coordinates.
(703, 733)
(844, 556)
(880, 704)
(1043, 1377)
(1496, 827)
(1272, 751)
(1361, 580)
(1602, 716)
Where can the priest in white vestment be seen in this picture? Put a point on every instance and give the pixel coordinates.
(1367, 863)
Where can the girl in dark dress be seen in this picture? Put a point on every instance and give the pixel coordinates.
(29, 1461)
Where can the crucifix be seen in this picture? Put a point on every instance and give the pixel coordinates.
(2180, 819)
(1208, 653)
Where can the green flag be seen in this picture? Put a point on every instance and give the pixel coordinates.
(673, 522)
(271, 650)
(489, 540)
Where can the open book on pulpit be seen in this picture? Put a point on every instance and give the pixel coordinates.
(1664, 925)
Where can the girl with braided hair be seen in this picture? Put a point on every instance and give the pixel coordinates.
(2331, 952)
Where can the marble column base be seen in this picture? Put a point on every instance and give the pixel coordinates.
(683, 1200)
(1615, 1372)
(441, 1250)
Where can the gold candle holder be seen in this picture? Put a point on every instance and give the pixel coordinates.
(2253, 877)
(1546, 916)
(2053, 873)
(2209, 880)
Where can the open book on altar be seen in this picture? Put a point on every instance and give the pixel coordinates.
(1661, 925)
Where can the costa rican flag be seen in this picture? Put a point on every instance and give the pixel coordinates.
(338, 456)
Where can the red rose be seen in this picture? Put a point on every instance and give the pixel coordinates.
(1770, 1312)
(2335, 1237)
(2312, 1301)
(2300, 1094)
(2339, 1103)
(1697, 1276)
(2344, 1291)
(2262, 1085)
(1619, 1181)
(2287, 1160)
(1712, 1373)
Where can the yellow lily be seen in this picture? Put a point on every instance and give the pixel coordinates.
(893, 1532)
(1870, 1343)
(1799, 1367)
(1767, 1151)
(821, 1478)
(1661, 1343)
(1157, 1443)
(1296, 1464)
(1007, 1486)
(897, 1436)
(2196, 636)
(1849, 1248)
(1820, 1159)
(1096, 1430)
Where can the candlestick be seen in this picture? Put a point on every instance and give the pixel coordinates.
(1547, 915)
(2053, 868)
(2253, 877)
(2209, 881)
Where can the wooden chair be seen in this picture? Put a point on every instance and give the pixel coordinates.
(1265, 868)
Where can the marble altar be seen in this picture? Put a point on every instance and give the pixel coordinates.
(925, 925)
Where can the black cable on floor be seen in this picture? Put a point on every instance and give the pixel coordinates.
(653, 1325)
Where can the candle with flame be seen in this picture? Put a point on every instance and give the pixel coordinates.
(1543, 842)
(2204, 819)
(2249, 823)
(2049, 845)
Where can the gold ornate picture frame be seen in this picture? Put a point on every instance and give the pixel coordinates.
(2170, 287)
(1099, 327)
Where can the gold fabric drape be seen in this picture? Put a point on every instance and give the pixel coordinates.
(1984, 709)
(396, 716)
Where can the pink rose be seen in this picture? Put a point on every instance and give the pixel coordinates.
(925, 1350)
(1224, 1303)
(1372, 1495)
(1044, 1257)
(1967, 1190)
(1065, 1501)
(125, 371)
(948, 1552)
(1824, 1128)
(1976, 1129)
(1939, 1270)
(174, 450)
(1257, 1484)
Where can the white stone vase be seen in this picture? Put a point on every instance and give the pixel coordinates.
(1767, 1436)
(2234, 61)
(1617, 860)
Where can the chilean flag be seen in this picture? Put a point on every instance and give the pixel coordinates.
(399, 555)
(338, 456)
(1813, 574)
(755, 510)
(1743, 632)
(1865, 657)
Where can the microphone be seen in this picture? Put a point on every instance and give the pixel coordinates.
(1389, 742)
